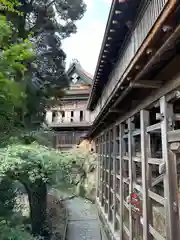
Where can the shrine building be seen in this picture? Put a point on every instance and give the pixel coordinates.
(70, 119)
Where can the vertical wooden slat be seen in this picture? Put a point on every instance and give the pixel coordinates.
(105, 153)
(130, 176)
(97, 172)
(106, 166)
(144, 122)
(134, 177)
(149, 178)
(105, 149)
(109, 170)
(114, 177)
(102, 165)
(169, 181)
(121, 154)
(98, 168)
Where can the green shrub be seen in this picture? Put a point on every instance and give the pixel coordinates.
(8, 232)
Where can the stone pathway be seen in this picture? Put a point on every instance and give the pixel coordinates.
(83, 221)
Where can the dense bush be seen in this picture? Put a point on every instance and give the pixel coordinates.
(8, 232)
(35, 166)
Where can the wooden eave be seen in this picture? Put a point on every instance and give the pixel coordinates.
(121, 13)
(166, 47)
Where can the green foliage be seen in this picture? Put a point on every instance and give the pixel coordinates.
(33, 162)
(8, 232)
(29, 162)
(8, 5)
(47, 70)
(12, 72)
(7, 198)
(12, 54)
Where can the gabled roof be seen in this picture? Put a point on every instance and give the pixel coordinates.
(76, 67)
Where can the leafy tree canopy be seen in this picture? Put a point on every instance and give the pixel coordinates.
(13, 70)
(45, 24)
(30, 162)
(35, 166)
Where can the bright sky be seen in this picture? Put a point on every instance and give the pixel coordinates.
(85, 44)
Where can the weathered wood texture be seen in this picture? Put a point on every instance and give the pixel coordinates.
(139, 160)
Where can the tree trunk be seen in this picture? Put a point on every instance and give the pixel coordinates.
(37, 194)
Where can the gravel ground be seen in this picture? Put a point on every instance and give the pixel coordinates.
(83, 222)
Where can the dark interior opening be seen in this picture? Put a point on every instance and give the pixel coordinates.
(81, 116)
(72, 115)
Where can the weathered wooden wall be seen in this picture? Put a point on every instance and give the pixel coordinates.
(139, 154)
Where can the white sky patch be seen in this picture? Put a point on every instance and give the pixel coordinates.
(108, 1)
(89, 3)
(85, 45)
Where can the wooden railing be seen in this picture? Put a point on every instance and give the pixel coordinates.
(149, 14)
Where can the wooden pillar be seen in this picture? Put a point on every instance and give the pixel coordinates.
(87, 116)
(109, 170)
(114, 177)
(76, 116)
(121, 154)
(102, 169)
(144, 123)
(130, 176)
(170, 215)
(49, 116)
(98, 175)
(65, 116)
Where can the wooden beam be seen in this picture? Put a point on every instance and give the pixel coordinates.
(174, 95)
(148, 41)
(176, 117)
(157, 180)
(166, 88)
(146, 84)
(174, 136)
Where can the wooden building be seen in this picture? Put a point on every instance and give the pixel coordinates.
(70, 119)
(135, 109)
